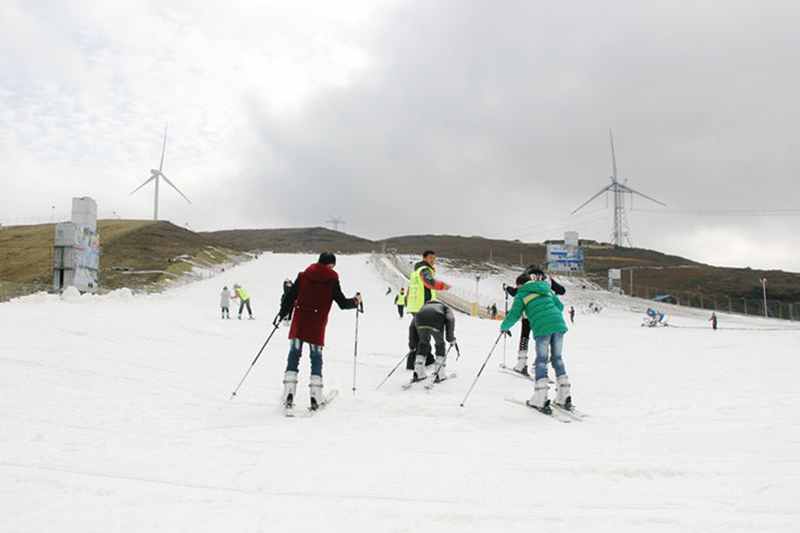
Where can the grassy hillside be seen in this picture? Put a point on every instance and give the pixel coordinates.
(292, 240)
(653, 271)
(135, 253)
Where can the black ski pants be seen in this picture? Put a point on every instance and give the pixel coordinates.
(242, 305)
(413, 342)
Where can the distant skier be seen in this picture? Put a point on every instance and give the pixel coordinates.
(244, 300)
(493, 311)
(225, 302)
(713, 321)
(525, 333)
(537, 300)
(435, 320)
(571, 314)
(400, 302)
(287, 288)
(422, 288)
(388, 291)
(311, 296)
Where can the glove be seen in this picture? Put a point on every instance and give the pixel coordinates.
(277, 320)
(506, 332)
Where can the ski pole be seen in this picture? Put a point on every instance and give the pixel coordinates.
(277, 325)
(355, 347)
(505, 341)
(392, 372)
(481, 370)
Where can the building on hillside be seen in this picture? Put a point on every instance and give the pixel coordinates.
(76, 249)
(566, 257)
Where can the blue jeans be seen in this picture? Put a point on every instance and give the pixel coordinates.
(549, 345)
(296, 350)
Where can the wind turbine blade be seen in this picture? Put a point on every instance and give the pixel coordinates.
(174, 187)
(625, 188)
(163, 149)
(587, 202)
(143, 184)
(613, 154)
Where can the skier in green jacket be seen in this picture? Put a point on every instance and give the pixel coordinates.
(537, 301)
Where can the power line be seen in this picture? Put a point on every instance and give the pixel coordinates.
(735, 212)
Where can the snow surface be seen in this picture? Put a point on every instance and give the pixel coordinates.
(116, 415)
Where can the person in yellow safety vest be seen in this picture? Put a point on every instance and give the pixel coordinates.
(244, 300)
(400, 302)
(422, 288)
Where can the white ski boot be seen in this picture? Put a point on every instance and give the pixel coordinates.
(522, 363)
(419, 369)
(440, 372)
(564, 394)
(315, 388)
(539, 399)
(289, 388)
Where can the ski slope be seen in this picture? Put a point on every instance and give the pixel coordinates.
(115, 415)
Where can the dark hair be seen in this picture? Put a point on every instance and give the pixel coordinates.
(535, 272)
(522, 279)
(327, 258)
(426, 253)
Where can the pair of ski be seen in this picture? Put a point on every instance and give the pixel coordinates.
(290, 412)
(430, 381)
(559, 412)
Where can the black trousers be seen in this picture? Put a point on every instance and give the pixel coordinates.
(242, 305)
(524, 335)
(400, 309)
(413, 342)
(424, 347)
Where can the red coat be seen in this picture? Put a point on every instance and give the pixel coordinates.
(312, 295)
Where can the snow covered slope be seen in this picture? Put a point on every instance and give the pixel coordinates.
(115, 416)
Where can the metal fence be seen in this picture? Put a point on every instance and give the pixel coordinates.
(396, 272)
(729, 304)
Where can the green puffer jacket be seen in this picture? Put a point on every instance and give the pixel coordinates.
(541, 306)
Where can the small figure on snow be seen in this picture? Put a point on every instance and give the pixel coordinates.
(435, 320)
(400, 301)
(493, 311)
(713, 321)
(571, 314)
(537, 300)
(225, 302)
(311, 296)
(654, 318)
(244, 300)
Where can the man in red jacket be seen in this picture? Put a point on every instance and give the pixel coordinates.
(311, 297)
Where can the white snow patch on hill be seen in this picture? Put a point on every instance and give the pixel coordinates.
(116, 417)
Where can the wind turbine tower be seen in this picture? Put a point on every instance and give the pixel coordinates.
(618, 190)
(156, 175)
(335, 222)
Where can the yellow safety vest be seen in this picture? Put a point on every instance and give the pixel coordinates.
(241, 293)
(400, 300)
(416, 290)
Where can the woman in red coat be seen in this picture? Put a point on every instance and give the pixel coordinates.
(310, 298)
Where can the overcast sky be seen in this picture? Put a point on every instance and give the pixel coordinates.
(468, 117)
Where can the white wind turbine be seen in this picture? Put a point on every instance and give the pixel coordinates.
(156, 175)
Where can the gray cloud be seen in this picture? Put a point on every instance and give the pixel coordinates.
(408, 117)
(493, 119)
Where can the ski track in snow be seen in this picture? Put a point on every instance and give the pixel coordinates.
(115, 415)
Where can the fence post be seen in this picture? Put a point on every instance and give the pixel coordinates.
(744, 300)
(702, 306)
